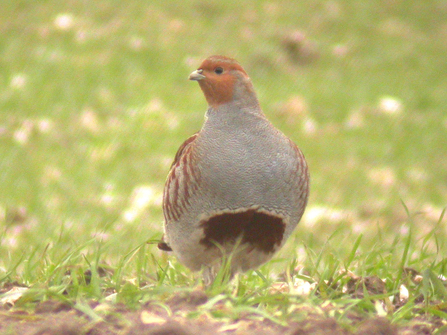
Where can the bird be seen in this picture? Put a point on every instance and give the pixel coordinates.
(239, 186)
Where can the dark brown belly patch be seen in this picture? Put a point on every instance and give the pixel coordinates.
(257, 228)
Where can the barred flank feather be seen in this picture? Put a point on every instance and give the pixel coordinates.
(181, 183)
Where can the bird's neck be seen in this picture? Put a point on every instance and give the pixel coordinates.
(234, 110)
(233, 116)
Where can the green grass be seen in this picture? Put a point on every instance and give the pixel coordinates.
(94, 102)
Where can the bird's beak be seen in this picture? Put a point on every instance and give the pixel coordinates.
(197, 75)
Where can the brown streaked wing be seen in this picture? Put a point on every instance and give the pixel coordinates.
(301, 164)
(182, 148)
(302, 171)
(180, 182)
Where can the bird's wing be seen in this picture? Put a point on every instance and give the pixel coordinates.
(181, 182)
(182, 149)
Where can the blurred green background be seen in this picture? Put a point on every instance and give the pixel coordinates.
(94, 102)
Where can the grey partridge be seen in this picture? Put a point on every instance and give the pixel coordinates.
(239, 186)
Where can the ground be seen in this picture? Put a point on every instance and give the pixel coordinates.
(53, 317)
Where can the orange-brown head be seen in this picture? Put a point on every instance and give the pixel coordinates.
(223, 80)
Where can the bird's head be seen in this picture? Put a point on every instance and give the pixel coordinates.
(223, 80)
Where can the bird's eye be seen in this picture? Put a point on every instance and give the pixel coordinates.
(218, 70)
